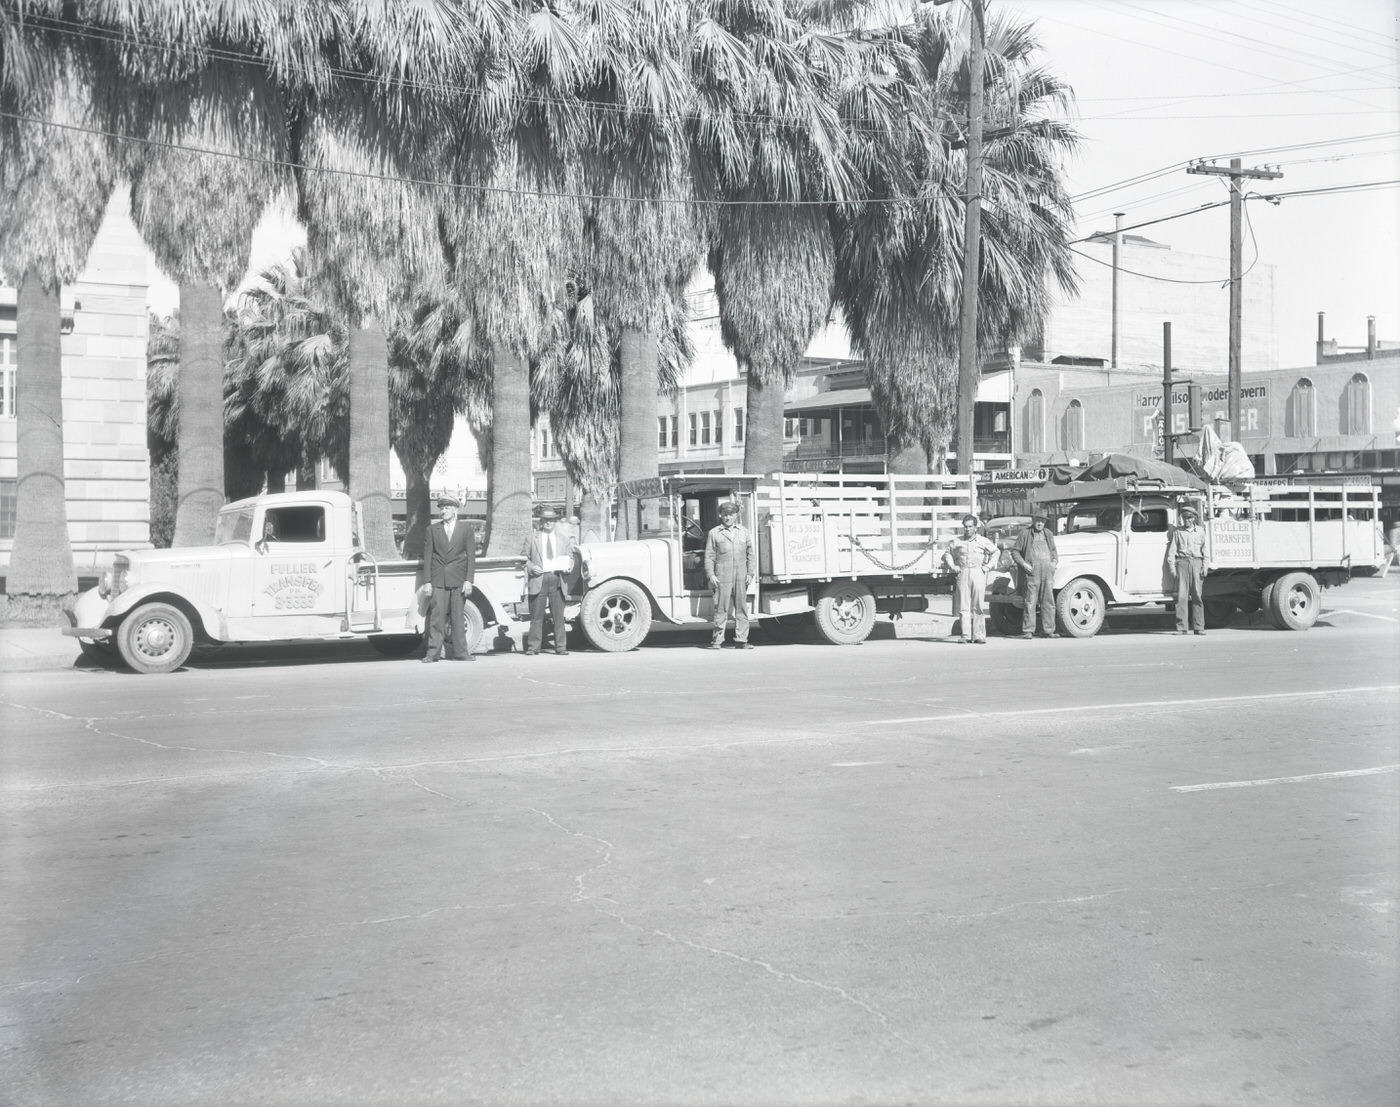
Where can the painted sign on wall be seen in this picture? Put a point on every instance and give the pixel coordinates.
(1215, 404)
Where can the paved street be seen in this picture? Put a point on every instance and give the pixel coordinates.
(1137, 869)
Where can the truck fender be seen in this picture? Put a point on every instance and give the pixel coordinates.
(202, 616)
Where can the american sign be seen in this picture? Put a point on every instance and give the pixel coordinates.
(1215, 404)
(1018, 476)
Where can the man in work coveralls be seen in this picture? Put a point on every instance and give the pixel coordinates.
(1036, 556)
(969, 555)
(731, 563)
(1186, 555)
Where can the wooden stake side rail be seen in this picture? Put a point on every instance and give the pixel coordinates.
(827, 526)
(1295, 526)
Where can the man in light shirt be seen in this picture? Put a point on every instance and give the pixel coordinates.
(545, 583)
(1186, 556)
(970, 555)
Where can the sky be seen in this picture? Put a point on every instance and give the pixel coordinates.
(1311, 88)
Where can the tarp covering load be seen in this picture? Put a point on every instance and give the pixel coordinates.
(1103, 477)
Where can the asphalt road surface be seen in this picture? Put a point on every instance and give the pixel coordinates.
(1137, 869)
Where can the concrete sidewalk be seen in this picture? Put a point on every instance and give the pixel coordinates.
(25, 649)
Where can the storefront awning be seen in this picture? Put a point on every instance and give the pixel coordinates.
(826, 401)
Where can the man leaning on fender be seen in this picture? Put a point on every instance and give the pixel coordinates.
(1035, 555)
(451, 564)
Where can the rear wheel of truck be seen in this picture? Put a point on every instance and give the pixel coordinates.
(1007, 619)
(155, 638)
(395, 645)
(1266, 605)
(1219, 614)
(616, 616)
(1295, 601)
(845, 613)
(1080, 608)
(474, 624)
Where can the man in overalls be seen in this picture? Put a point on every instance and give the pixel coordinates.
(1035, 555)
(731, 563)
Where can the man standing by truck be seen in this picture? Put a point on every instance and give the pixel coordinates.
(1037, 558)
(451, 564)
(1186, 554)
(545, 553)
(731, 563)
(970, 555)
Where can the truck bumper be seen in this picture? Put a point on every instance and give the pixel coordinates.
(88, 613)
(96, 634)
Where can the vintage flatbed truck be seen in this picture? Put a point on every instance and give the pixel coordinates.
(1269, 548)
(312, 580)
(833, 551)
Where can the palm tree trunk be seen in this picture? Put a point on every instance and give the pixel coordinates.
(906, 457)
(593, 520)
(201, 391)
(306, 474)
(637, 430)
(417, 505)
(369, 437)
(763, 426)
(276, 480)
(41, 581)
(508, 499)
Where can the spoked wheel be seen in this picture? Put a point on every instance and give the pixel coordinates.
(846, 613)
(1296, 601)
(155, 638)
(1080, 608)
(616, 616)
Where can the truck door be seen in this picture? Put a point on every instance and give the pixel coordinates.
(1145, 531)
(299, 581)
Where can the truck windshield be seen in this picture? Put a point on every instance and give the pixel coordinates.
(1094, 517)
(234, 526)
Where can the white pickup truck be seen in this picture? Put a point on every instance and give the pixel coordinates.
(832, 552)
(283, 567)
(1267, 548)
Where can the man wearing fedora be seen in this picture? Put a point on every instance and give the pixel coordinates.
(451, 563)
(545, 583)
(1035, 555)
(1186, 556)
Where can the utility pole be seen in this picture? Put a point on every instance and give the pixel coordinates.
(968, 369)
(1113, 326)
(1236, 174)
(1168, 446)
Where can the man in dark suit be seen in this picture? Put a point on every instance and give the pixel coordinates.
(451, 564)
(545, 583)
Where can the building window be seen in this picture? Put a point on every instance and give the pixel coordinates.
(326, 474)
(1035, 422)
(675, 431)
(1073, 436)
(789, 428)
(544, 442)
(719, 428)
(694, 440)
(738, 424)
(661, 431)
(7, 508)
(1356, 405)
(705, 421)
(7, 376)
(1300, 420)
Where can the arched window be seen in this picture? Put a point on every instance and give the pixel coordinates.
(1035, 422)
(1072, 433)
(1356, 405)
(1300, 420)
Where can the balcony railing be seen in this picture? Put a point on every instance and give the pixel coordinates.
(875, 448)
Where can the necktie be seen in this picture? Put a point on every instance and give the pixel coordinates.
(549, 546)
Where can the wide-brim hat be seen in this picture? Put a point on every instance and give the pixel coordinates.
(548, 514)
(1191, 511)
(447, 501)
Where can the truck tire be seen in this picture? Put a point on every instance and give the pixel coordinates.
(1007, 619)
(475, 625)
(616, 616)
(1266, 605)
(1220, 613)
(395, 645)
(845, 613)
(1080, 608)
(1295, 602)
(155, 638)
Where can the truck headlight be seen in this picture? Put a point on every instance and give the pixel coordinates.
(104, 585)
(116, 580)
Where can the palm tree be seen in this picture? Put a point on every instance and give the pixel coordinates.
(54, 189)
(197, 213)
(899, 256)
(163, 424)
